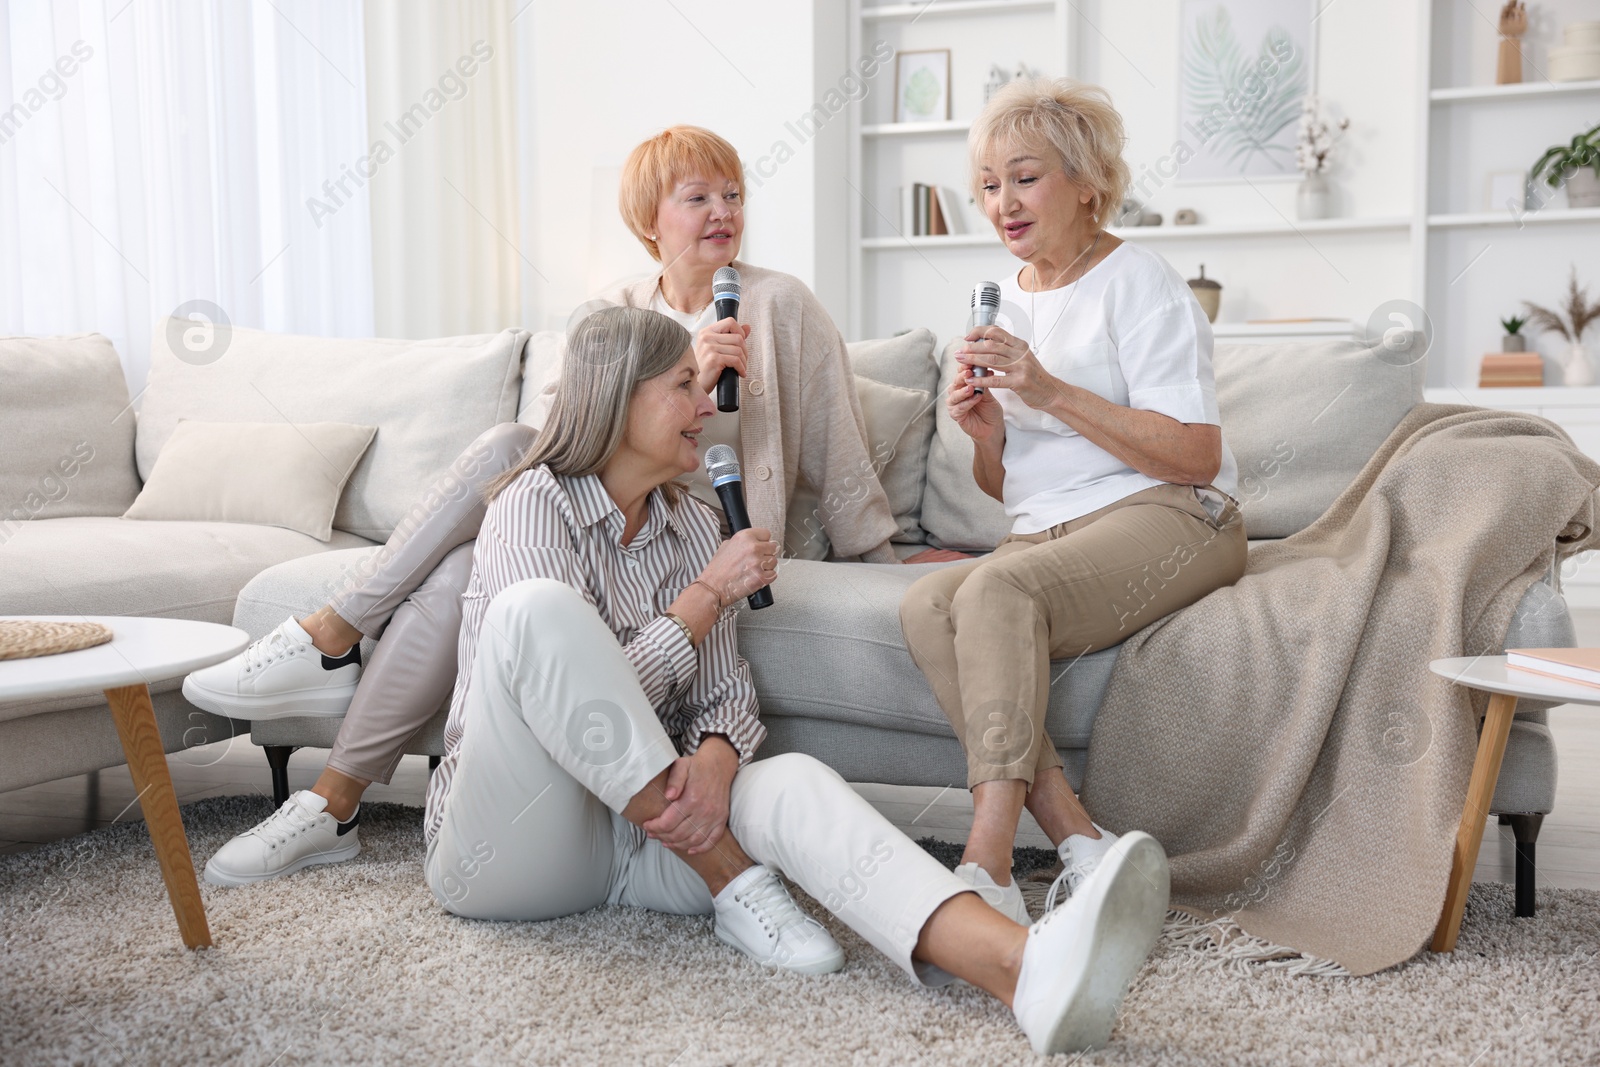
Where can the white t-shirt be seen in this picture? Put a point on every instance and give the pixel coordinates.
(721, 428)
(1133, 334)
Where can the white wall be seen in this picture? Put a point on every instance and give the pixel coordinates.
(596, 79)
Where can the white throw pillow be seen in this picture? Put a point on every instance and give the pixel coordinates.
(269, 474)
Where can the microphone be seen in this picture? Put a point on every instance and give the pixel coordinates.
(725, 291)
(985, 309)
(722, 465)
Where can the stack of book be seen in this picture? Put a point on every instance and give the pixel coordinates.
(1501, 369)
(1581, 665)
(928, 211)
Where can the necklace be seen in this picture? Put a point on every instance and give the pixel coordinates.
(1033, 295)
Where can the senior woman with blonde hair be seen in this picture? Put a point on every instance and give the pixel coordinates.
(1092, 409)
(682, 194)
(602, 726)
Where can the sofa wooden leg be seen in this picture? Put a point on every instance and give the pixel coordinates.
(1525, 828)
(278, 760)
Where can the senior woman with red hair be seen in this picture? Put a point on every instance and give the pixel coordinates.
(799, 421)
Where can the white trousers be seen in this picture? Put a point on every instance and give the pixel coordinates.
(559, 737)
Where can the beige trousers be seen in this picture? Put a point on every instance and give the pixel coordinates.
(409, 592)
(984, 633)
(560, 736)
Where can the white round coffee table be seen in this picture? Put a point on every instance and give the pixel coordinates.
(140, 652)
(1492, 675)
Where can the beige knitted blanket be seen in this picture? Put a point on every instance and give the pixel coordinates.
(1284, 739)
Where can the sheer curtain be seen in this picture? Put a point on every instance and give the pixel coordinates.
(154, 153)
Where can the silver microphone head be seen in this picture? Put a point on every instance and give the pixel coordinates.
(985, 303)
(722, 462)
(725, 283)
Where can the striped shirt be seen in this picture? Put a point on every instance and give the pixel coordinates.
(547, 525)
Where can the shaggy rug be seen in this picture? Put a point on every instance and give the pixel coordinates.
(357, 964)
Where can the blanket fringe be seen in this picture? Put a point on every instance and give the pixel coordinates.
(1223, 945)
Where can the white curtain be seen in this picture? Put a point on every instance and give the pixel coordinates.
(446, 234)
(158, 152)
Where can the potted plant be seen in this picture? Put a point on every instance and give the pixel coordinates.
(1575, 366)
(1513, 341)
(1313, 148)
(1577, 164)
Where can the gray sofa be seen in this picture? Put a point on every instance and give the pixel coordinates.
(828, 659)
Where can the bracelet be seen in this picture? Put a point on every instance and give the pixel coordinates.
(721, 607)
(688, 634)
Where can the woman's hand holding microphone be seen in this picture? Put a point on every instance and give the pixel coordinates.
(722, 344)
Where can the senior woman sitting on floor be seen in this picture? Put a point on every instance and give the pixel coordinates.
(682, 195)
(1097, 427)
(602, 728)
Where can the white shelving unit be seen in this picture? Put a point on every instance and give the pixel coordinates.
(1471, 266)
(890, 271)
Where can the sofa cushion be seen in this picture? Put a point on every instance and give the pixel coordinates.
(273, 474)
(541, 366)
(179, 570)
(955, 512)
(66, 432)
(909, 360)
(429, 400)
(843, 620)
(1302, 418)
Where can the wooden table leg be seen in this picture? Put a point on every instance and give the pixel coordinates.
(1480, 793)
(147, 761)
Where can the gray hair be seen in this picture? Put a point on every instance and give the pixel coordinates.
(608, 354)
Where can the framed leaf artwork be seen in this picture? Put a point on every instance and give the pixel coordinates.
(922, 86)
(1245, 68)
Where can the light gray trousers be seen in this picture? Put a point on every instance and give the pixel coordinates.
(410, 594)
(560, 737)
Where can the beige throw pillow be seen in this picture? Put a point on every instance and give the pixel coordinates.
(269, 474)
(899, 424)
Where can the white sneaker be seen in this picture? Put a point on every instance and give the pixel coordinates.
(1080, 857)
(1079, 958)
(280, 676)
(757, 916)
(296, 835)
(1006, 899)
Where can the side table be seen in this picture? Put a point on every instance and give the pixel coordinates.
(1491, 675)
(140, 652)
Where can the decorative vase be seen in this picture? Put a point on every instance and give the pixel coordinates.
(1311, 199)
(1208, 291)
(1513, 342)
(1583, 188)
(1576, 368)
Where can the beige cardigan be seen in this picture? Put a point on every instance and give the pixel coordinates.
(799, 416)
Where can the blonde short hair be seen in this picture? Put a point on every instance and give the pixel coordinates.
(1074, 120)
(655, 166)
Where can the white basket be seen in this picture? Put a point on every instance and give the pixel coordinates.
(1569, 63)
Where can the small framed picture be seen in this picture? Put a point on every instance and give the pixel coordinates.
(1506, 190)
(922, 86)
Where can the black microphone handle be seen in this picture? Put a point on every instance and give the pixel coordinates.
(728, 390)
(731, 493)
(728, 382)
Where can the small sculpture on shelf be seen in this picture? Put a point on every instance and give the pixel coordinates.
(1513, 24)
(1580, 313)
(1185, 216)
(1208, 292)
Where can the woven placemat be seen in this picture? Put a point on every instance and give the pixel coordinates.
(23, 638)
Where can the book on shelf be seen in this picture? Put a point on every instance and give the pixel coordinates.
(1501, 370)
(1581, 665)
(928, 211)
